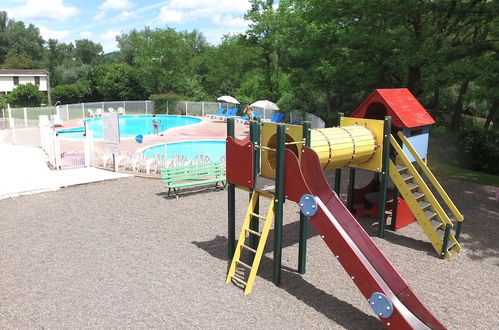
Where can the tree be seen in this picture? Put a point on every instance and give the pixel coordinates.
(26, 95)
(87, 51)
(68, 94)
(18, 60)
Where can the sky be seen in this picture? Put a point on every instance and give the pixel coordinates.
(102, 20)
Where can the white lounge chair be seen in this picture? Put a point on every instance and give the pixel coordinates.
(99, 112)
(111, 110)
(121, 111)
(91, 113)
(56, 121)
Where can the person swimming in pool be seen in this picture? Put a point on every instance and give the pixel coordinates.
(155, 123)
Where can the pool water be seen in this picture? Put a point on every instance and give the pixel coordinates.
(190, 149)
(131, 126)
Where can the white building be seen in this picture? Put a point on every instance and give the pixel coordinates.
(10, 79)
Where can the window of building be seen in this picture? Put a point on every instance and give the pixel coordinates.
(16, 81)
(37, 81)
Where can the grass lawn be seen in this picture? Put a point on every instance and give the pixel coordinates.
(453, 172)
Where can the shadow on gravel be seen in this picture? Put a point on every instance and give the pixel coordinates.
(395, 238)
(333, 308)
(191, 191)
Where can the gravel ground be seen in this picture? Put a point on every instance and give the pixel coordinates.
(119, 254)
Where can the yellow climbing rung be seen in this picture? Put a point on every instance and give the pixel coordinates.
(258, 252)
(258, 216)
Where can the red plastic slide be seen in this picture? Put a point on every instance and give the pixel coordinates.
(390, 296)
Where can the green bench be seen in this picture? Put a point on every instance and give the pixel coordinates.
(192, 175)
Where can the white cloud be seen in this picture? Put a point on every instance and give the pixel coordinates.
(100, 15)
(43, 10)
(110, 34)
(235, 22)
(52, 34)
(183, 11)
(86, 34)
(116, 4)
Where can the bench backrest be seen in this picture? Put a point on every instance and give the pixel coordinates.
(196, 171)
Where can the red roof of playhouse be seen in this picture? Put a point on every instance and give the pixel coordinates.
(400, 104)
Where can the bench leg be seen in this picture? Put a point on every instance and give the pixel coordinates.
(176, 192)
(169, 189)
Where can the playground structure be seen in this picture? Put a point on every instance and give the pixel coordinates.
(281, 162)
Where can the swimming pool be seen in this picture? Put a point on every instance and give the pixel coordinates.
(190, 149)
(130, 126)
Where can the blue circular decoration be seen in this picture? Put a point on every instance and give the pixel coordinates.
(381, 305)
(308, 205)
(139, 138)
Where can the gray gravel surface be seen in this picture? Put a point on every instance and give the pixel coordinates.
(119, 254)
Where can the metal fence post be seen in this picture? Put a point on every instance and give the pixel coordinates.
(67, 111)
(146, 107)
(82, 111)
(202, 109)
(9, 111)
(186, 113)
(25, 111)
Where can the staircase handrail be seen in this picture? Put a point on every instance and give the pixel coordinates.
(459, 217)
(423, 186)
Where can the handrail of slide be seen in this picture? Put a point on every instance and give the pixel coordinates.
(426, 190)
(432, 178)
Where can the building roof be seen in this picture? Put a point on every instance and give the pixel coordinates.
(20, 72)
(399, 103)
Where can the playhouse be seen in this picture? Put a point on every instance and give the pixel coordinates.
(388, 136)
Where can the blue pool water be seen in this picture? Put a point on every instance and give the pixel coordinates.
(131, 126)
(213, 149)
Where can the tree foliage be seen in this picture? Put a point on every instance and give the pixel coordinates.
(26, 95)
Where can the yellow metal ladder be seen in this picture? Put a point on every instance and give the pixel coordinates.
(430, 215)
(241, 244)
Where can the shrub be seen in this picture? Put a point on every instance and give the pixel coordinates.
(166, 101)
(67, 94)
(477, 148)
(26, 95)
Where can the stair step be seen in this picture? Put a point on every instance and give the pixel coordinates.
(253, 232)
(424, 204)
(407, 177)
(243, 264)
(418, 195)
(436, 224)
(248, 248)
(430, 214)
(258, 216)
(412, 186)
(234, 277)
(401, 168)
(450, 243)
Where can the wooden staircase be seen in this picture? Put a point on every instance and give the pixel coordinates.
(435, 222)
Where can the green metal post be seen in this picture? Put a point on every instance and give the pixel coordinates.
(384, 175)
(302, 246)
(255, 222)
(445, 241)
(279, 201)
(337, 172)
(351, 185)
(231, 202)
(458, 230)
(396, 194)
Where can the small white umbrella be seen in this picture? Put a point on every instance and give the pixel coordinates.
(264, 104)
(228, 99)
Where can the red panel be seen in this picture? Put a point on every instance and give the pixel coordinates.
(404, 214)
(401, 105)
(409, 299)
(239, 161)
(294, 183)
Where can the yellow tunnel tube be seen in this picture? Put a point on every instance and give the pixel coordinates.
(343, 146)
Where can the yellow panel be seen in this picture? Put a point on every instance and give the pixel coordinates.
(294, 133)
(376, 128)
